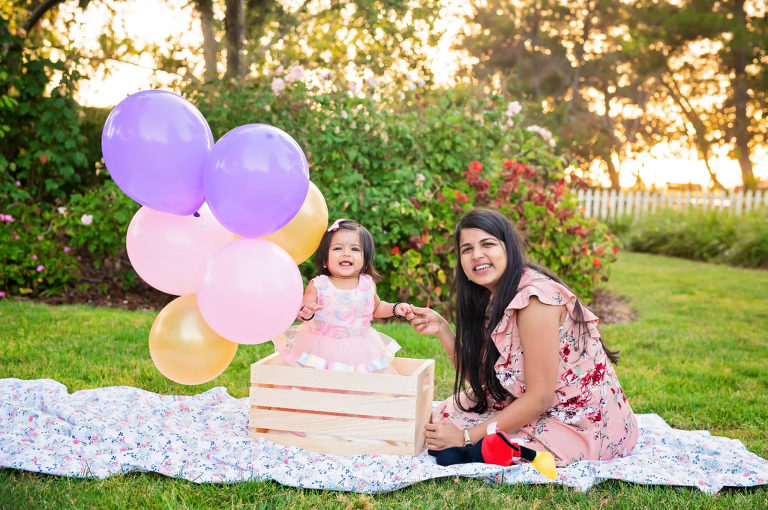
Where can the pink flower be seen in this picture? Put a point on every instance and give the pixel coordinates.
(39, 268)
(296, 73)
(39, 238)
(278, 85)
(66, 249)
(34, 257)
(2, 294)
(513, 108)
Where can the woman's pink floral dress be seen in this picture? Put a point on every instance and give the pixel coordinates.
(590, 417)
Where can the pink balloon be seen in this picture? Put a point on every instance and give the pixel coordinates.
(169, 252)
(250, 291)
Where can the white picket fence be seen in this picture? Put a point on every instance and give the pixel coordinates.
(605, 203)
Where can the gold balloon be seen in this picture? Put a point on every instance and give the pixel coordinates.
(301, 236)
(184, 348)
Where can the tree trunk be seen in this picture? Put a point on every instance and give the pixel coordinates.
(234, 26)
(576, 78)
(740, 98)
(37, 12)
(210, 46)
(699, 129)
(615, 146)
(613, 173)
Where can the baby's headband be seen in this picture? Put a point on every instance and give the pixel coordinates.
(336, 225)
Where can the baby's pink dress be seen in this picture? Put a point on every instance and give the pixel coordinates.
(589, 417)
(340, 336)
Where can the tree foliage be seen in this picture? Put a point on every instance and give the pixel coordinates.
(42, 155)
(709, 63)
(366, 36)
(624, 76)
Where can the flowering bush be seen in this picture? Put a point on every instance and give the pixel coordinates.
(397, 164)
(378, 160)
(36, 258)
(547, 215)
(39, 247)
(42, 149)
(97, 220)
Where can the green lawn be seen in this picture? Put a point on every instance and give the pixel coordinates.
(697, 356)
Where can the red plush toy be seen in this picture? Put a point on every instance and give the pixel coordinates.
(497, 448)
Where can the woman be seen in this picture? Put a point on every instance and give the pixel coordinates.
(530, 353)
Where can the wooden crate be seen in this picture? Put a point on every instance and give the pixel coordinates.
(313, 409)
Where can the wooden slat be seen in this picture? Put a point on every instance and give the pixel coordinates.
(337, 446)
(738, 205)
(367, 405)
(424, 404)
(761, 197)
(603, 204)
(586, 198)
(341, 426)
(654, 199)
(411, 366)
(274, 389)
(264, 372)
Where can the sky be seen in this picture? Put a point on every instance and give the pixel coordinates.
(142, 20)
(152, 21)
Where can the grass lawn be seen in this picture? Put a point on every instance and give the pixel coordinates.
(697, 356)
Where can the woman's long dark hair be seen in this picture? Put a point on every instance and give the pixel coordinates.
(475, 352)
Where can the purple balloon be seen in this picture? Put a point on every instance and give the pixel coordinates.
(155, 144)
(256, 180)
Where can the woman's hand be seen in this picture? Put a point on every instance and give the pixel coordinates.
(426, 321)
(443, 434)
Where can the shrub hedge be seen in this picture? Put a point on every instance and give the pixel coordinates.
(407, 167)
(710, 236)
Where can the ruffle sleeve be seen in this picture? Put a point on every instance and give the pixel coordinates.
(506, 335)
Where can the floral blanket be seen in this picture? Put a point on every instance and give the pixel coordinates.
(204, 438)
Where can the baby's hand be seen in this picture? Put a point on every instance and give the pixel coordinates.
(307, 311)
(410, 312)
(403, 309)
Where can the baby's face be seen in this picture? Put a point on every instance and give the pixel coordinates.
(345, 255)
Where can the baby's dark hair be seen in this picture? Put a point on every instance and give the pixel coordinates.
(366, 243)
